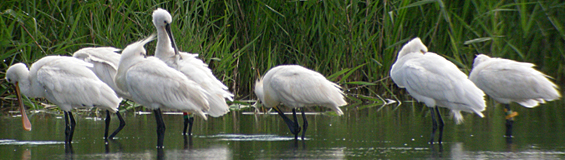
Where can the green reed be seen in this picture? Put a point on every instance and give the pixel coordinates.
(352, 42)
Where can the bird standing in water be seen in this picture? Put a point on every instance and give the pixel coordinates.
(155, 85)
(298, 87)
(508, 81)
(437, 82)
(104, 62)
(66, 82)
(193, 68)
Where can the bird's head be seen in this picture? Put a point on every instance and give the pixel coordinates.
(162, 20)
(413, 46)
(16, 73)
(479, 59)
(259, 89)
(136, 49)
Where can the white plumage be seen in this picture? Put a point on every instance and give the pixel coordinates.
(432, 79)
(192, 67)
(155, 85)
(509, 81)
(296, 86)
(105, 65)
(437, 82)
(66, 82)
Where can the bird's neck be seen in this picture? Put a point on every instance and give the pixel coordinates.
(120, 77)
(25, 85)
(164, 49)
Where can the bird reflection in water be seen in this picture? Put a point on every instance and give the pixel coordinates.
(437, 152)
(117, 144)
(187, 142)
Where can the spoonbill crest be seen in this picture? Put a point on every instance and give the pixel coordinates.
(508, 81)
(192, 67)
(296, 86)
(155, 85)
(66, 82)
(432, 79)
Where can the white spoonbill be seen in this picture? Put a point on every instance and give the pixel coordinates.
(66, 82)
(155, 85)
(105, 65)
(296, 86)
(192, 67)
(508, 81)
(432, 79)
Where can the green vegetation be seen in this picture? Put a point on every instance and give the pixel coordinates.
(352, 42)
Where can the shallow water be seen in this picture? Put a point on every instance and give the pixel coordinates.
(393, 132)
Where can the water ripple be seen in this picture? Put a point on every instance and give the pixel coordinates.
(253, 137)
(15, 142)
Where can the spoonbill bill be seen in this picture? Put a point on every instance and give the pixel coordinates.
(66, 82)
(432, 79)
(155, 85)
(508, 81)
(192, 67)
(296, 86)
(105, 65)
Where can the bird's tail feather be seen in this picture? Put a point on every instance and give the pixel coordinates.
(218, 106)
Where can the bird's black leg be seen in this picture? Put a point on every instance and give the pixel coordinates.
(440, 125)
(122, 125)
(434, 125)
(67, 127)
(73, 124)
(295, 122)
(304, 124)
(293, 126)
(185, 117)
(188, 121)
(509, 120)
(107, 126)
(160, 128)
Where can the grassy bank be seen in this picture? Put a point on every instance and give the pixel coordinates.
(352, 42)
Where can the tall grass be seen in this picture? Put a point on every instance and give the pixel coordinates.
(352, 42)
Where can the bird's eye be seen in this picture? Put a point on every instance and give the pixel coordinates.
(165, 22)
